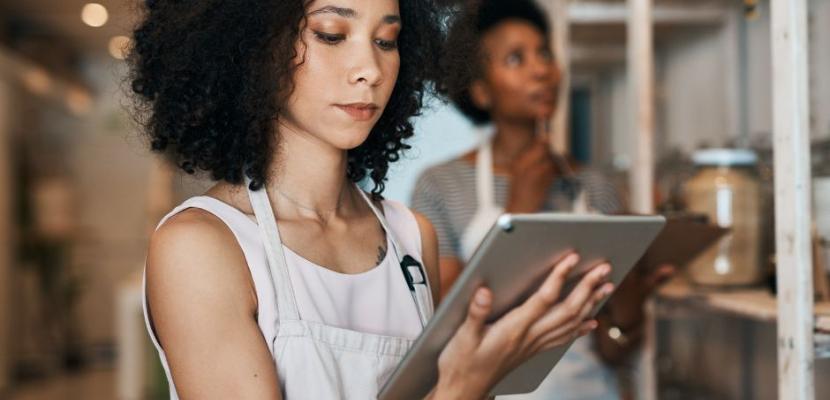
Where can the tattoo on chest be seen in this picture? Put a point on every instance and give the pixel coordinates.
(381, 253)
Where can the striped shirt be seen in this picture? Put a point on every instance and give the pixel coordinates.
(446, 194)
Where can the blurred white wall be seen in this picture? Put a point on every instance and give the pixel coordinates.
(441, 133)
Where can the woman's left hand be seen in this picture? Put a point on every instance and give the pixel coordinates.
(626, 305)
(625, 313)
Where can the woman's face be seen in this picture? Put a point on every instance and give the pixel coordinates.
(348, 62)
(520, 78)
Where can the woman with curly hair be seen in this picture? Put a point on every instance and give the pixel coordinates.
(285, 280)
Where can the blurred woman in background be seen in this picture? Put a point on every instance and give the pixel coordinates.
(513, 88)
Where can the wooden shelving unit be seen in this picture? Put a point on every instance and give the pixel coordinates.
(802, 327)
(755, 304)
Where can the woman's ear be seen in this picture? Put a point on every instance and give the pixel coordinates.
(480, 94)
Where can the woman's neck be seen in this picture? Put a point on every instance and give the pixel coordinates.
(510, 139)
(308, 176)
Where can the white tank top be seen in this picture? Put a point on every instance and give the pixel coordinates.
(373, 310)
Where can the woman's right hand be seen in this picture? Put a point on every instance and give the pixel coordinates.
(479, 355)
(531, 174)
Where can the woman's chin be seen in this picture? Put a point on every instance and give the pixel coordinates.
(350, 140)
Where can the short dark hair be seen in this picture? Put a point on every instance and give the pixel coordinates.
(461, 60)
(210, 78)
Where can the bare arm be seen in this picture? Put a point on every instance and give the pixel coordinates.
(429, 247)
(203, 308)
(450, 269)
(625, 313)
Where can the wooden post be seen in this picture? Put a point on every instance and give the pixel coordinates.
(641, 89)
(561, 47)
(791, 131)
(640, 53)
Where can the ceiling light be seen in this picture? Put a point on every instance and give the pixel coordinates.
(119, 47)
(94, 14)
(37, 81)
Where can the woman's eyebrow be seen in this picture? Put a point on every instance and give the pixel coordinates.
(341, 11)
(351, 13)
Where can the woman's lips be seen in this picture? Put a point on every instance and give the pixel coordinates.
(543, 96)
(359, 111)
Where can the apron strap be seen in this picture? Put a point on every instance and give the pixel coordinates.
(286, 304)
(413, 271)
(484, 175)
(486, 211)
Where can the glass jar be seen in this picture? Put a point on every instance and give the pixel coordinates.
(727, 189)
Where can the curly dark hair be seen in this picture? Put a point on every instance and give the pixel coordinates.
(209, 79)
(461, 60)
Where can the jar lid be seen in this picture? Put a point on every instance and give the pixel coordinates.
(725, 157)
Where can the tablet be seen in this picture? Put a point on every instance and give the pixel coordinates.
(513, 260)
(684, 238)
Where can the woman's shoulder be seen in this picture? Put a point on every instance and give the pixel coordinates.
(401, 218)
(446, 175)
(191, 227)
(207, 220)
(195, 255)
(464, 163)
(410, 224)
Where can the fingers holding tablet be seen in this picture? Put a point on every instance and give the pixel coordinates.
(568, 316)
(543, 321)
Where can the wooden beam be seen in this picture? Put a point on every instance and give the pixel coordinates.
(604, 54)
(641, 89)
(592, 13)
(561, 45)
(791, 144)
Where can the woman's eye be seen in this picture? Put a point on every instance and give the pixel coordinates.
(329, 38)
(513, 59)
(387, 44)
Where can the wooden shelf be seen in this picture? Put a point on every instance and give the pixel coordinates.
(757, 303)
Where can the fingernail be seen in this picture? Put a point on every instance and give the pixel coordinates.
(481, 299)
(573, 259)
(608, 289)
(606, 269)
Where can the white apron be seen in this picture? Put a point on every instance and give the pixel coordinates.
(317, 361)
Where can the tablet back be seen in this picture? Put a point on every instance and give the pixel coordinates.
(513, 260)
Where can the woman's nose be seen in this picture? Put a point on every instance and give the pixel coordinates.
(366, 68)
(543, 68)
